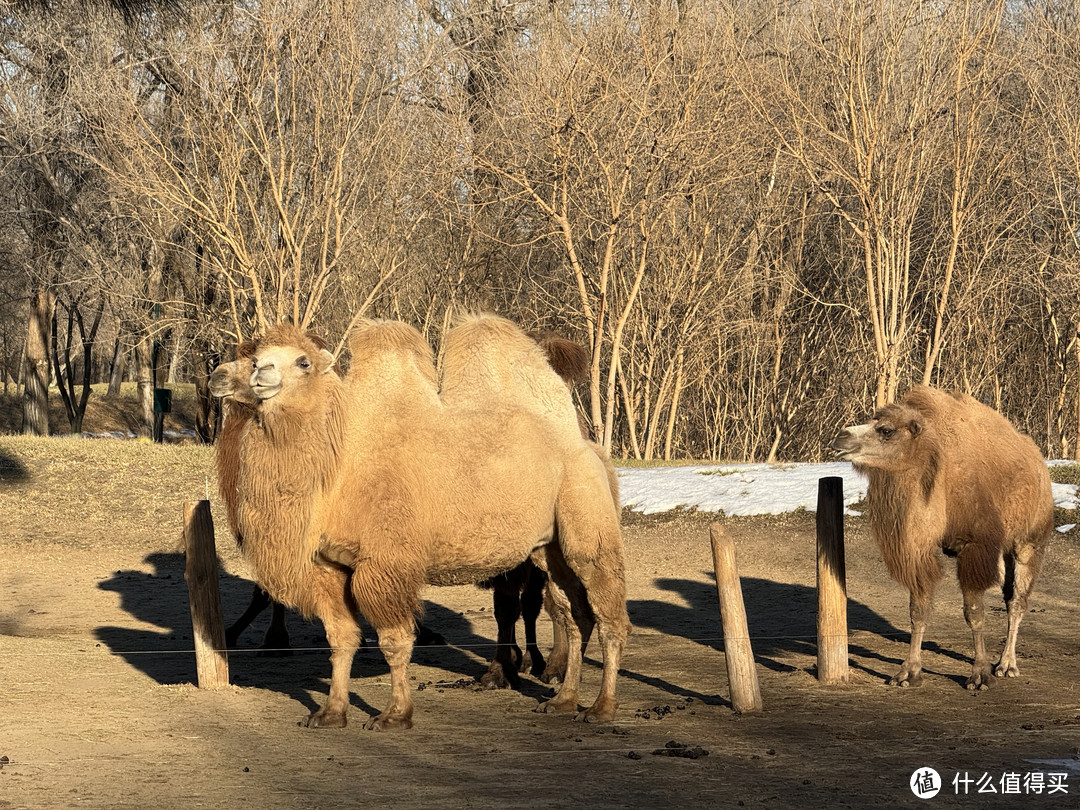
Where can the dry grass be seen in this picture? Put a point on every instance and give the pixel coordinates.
(87, 492)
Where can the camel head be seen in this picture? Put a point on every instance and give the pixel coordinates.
(890, 440)
(232, 379)
(286, 359)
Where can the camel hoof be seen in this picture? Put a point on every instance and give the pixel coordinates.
(326, 719)
(595, 714)
(382, 722)
(556, 706)
(979, 681)
(905, 679)
(497, 677)
(553, 673)
(1009, 671)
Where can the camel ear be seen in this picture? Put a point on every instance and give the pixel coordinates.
(915, 427)
(327, 358)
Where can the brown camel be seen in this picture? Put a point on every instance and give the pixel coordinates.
(377, 474)
(949, 473)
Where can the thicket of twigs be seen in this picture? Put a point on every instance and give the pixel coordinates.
(763, 218)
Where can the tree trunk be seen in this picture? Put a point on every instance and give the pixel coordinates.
(116, 370)
(174, 354)
(208, 416)
(36, 366)
(144, 376)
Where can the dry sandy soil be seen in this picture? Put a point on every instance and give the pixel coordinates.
(97, 706)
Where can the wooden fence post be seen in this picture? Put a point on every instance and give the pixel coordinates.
(201, 574)
(738, 654)
(832, 656)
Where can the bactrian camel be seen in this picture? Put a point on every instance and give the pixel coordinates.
(376, 474)
(516, 594)
(948, 473)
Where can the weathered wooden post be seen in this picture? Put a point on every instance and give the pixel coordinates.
(201, 574)
(739, 655)
(832, 656)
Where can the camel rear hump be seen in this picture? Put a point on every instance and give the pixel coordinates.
(490, 362)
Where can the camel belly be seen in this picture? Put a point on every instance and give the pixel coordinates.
(486, 551)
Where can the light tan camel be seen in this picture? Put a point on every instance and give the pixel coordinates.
(379, 475)
(946, 472)
(517, 593)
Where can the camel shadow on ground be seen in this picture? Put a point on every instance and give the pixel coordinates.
(781, 619)
(160, 642)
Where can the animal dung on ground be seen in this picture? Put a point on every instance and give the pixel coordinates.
(674, 748)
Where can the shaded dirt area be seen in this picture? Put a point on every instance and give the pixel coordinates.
(97, 706)
(102, 415)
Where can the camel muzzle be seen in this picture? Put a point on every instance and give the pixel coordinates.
(844, 444)
(219, 383)
(266, 381)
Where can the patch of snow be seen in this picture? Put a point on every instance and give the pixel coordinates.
(756, 489)
(735, 489)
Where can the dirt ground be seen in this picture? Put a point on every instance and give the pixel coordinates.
(97, 706)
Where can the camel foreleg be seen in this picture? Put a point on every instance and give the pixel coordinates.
(396, 643)
(920, 604)
(333, 605)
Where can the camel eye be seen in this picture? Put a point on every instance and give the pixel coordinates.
(886, 432)
(303, 363)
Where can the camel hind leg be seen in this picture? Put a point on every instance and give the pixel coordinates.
(589, 537)
(502, 672)
(975, 615)
(1021, 570)
(555, 669)
(532, 600)
(563, 591)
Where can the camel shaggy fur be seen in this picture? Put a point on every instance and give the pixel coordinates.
(946, 472)
(230, 381)
(378, 475)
